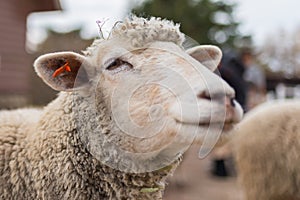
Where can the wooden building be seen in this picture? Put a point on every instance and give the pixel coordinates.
(15, 62)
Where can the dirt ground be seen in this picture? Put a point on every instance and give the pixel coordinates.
(193, 181)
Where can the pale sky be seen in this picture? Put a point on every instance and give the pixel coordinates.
(264, 18)
(260, 18)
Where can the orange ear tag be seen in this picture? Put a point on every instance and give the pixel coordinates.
(62, 69)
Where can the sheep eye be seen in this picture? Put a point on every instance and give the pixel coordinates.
(119, 65)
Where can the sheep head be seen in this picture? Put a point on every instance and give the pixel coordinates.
(140, 98)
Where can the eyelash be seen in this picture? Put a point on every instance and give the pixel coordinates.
(119, 65)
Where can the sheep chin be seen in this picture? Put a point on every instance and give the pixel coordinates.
(207, 136)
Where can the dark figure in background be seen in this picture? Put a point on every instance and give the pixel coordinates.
(232, 70)
(256, 81)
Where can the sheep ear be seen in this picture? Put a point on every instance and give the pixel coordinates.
(63, 71)
(210, 56)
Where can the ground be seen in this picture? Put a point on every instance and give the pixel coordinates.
(193, 181)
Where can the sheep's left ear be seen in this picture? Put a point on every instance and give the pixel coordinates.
(63, 71)
(208, 55)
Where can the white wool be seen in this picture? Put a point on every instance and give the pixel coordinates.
(142, 31)
(266, 147)
(145, 31)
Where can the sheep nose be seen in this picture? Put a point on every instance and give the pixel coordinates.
(229, 102)
(218, 96)
(222, 98)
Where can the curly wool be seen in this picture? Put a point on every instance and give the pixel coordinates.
(266, 146)
(45, 159)
(142, 31)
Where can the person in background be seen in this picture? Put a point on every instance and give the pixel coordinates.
(255, 79)
(232, 69)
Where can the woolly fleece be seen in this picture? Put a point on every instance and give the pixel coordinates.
(266, 146)
(44, 159)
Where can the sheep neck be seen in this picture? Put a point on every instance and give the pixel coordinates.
(86, 173)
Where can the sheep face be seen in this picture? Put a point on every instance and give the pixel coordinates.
(138, 108)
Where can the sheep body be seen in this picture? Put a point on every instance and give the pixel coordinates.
(266, 146)
(46, 160)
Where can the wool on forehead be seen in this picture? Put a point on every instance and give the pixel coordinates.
(141, 31)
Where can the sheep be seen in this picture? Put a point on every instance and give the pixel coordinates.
(266, 149)
(126, 111)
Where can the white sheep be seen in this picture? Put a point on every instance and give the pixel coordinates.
(266, 147)
(126, 112)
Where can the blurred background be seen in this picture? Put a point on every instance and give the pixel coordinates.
(260, 41)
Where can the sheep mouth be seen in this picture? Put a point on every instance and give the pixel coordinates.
(225, 127)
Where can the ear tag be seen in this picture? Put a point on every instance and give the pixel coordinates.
(62, 69)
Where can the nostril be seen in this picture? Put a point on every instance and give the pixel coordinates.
(232, 103)
(204, 95)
